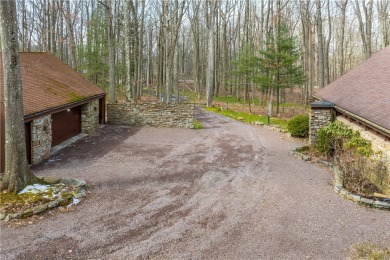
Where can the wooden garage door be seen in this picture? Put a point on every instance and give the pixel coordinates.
(65, 125)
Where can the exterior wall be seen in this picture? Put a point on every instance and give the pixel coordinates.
(155, 114)
(90, 117)
(319, 117)
(378, 145)
(41, 137)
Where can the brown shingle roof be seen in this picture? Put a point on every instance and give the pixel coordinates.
(49, 83)
(365, 90)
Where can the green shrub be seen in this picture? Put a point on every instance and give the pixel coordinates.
(298, 126)
(197, 125)
(325, 140)
(327, 136)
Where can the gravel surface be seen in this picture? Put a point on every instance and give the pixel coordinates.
(228, 191)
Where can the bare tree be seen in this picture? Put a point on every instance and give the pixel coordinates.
(111, 54)
(127, 36)
(211, 9)
(71, 41)
(365, 28)
(343, 7)
(320, 47)
(17, 173)
(384, 20)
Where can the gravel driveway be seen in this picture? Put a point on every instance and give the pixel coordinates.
(228, 191)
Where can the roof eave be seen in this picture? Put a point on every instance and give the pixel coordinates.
(53, 110)
(367, 122)
(377, 127)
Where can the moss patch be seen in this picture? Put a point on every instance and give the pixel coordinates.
(369, 251)
(74, 97)
(11, 203)
(37, 198)
(197, 125)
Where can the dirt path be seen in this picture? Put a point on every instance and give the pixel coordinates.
(229, 191)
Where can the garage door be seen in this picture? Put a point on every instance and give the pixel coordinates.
(66, 124)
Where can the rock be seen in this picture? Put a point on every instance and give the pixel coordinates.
(52, 204)
(79, 193)
(325, 163)
(52, 180)
(366, 201)
(39, 209)
(381, 204)
(344, 192)
(74, 182)
(2, 215)
(13, 216)
(338, 188)
(27, 213)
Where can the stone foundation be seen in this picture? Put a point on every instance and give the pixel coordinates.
(90, 117)
(41, 137)
(157, 114)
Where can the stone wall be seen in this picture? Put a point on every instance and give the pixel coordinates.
(319, 117)
(381, 179)
(41, 137)
(90, 117)
(155, 114)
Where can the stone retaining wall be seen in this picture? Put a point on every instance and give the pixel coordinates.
(41, 137)
(157, 114)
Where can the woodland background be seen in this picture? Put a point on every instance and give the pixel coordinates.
(131, 46)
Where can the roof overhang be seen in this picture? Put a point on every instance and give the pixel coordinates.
(372, 125)
(30, 117)
(322, 103)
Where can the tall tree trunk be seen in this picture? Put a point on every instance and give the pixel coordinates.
(320, 46)
(111, 55)
(140, 51)
(71, 42)
(17, 173)
(326, 46)
(210, 73)
(383, 16)
(126, 22)
(365, 29)
(343, 7)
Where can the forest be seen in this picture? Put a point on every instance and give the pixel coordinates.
(249, 49)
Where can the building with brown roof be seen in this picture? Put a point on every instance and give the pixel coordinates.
(362, 95)
(59, 103)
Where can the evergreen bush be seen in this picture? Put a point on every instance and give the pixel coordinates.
(298, 126)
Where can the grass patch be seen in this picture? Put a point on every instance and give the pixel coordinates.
(248, 118)
(197, 125)
(369, 251)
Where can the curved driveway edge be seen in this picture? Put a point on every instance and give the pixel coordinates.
(228, 191)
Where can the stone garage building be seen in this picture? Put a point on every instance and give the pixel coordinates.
(59, 104)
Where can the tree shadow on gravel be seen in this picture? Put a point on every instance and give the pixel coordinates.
(92, 147)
